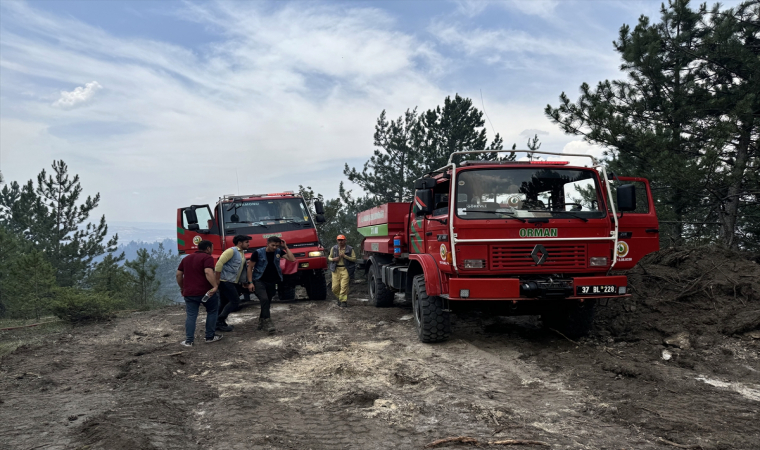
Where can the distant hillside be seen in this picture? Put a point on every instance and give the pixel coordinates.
(142, 231)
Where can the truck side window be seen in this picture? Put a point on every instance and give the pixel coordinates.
(441, 199)
(205, 219)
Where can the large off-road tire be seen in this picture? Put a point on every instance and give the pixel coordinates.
(574, 321)
(316, 285)
(379, 294)
(433, 323)
(287, 289)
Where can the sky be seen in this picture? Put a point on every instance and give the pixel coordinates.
(159, 105)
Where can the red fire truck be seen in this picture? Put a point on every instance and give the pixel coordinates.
(538, 237)
(282, 214)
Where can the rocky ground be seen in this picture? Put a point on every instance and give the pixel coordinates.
(675, 366)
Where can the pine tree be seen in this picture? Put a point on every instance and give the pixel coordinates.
(457, 126)
(388, 172)
(109, 277)
(144, 284)
(50, 216)
(34, 279)
(684, 117)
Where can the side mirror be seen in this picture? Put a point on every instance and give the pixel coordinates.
(320, 218)
(320, 208)
(424, 183)
(192, 218)
(423, 202)
(626, 197)
(193, 227)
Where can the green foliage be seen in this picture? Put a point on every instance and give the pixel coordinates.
(685, 116)
(457, 126)
(110, 278)
(166, 262)
(78, 306)
(412, 145)
(143, 283)
(49, 215)
(30, 284)
(340, 215)
(388, 172)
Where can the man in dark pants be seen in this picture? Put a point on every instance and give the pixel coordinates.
(229, 272)
(195, 277)
(264, 270)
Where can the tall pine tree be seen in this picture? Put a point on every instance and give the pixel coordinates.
(684, 116)
(51, 217)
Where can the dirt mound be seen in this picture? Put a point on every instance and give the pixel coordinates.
(690, 297)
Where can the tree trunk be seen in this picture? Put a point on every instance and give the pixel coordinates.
(731, 212)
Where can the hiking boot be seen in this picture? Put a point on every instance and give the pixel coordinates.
(186, 343)
(266, 325)
(223, 327)
(217, 337)
(344, 304)
(260, 326)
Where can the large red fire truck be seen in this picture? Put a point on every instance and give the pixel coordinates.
(537, 237)
(282, 214)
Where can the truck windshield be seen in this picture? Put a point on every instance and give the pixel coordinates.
(529, 192)
(265, 213)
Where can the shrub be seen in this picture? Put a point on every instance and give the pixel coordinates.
(77, 306)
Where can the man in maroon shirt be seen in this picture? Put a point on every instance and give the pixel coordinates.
(196, 278)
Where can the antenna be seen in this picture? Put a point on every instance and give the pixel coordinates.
(238, 180)
(484, 112)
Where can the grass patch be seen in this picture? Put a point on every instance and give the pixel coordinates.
(10, 340)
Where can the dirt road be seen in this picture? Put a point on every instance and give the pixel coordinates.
(357, 378)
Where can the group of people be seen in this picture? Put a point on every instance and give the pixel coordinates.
(216, 286)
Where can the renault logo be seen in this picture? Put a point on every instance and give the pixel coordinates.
(539, 254)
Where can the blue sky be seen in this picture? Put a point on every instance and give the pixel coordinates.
(157, 105)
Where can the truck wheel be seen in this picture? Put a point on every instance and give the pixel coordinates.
(379, 294)
(433, 323)
(287, 289)
(574, 321)
(317, 285)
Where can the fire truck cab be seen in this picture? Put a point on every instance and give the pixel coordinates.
(536, 237)
(282, 214)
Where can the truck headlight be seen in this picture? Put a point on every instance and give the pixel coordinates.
(317, 253)
(474, 263)
(598, 261)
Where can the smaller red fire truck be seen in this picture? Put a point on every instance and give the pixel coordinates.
(282, 214)
(538, 237)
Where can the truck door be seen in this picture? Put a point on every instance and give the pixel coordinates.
(194, 224)
(638, 231)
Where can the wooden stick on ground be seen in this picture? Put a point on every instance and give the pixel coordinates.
(27, 326)
(564, 336)
(469, 440)
(461, 439)
(518, 442)
(693, 447)
(174, 354)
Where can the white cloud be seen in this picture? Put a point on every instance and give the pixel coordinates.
(80, 95)
(580, 147)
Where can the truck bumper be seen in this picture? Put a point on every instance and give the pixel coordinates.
(514, 289)
(312, 263)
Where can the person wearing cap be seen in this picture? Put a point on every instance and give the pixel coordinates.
(265, 272)
(342, 265)
(229, 272)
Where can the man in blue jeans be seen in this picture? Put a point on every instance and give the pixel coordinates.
(264, 270)
(196, 278)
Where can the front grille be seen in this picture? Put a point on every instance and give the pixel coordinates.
(516, 258)
(303, 244)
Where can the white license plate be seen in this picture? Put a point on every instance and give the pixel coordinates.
(597, 290)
